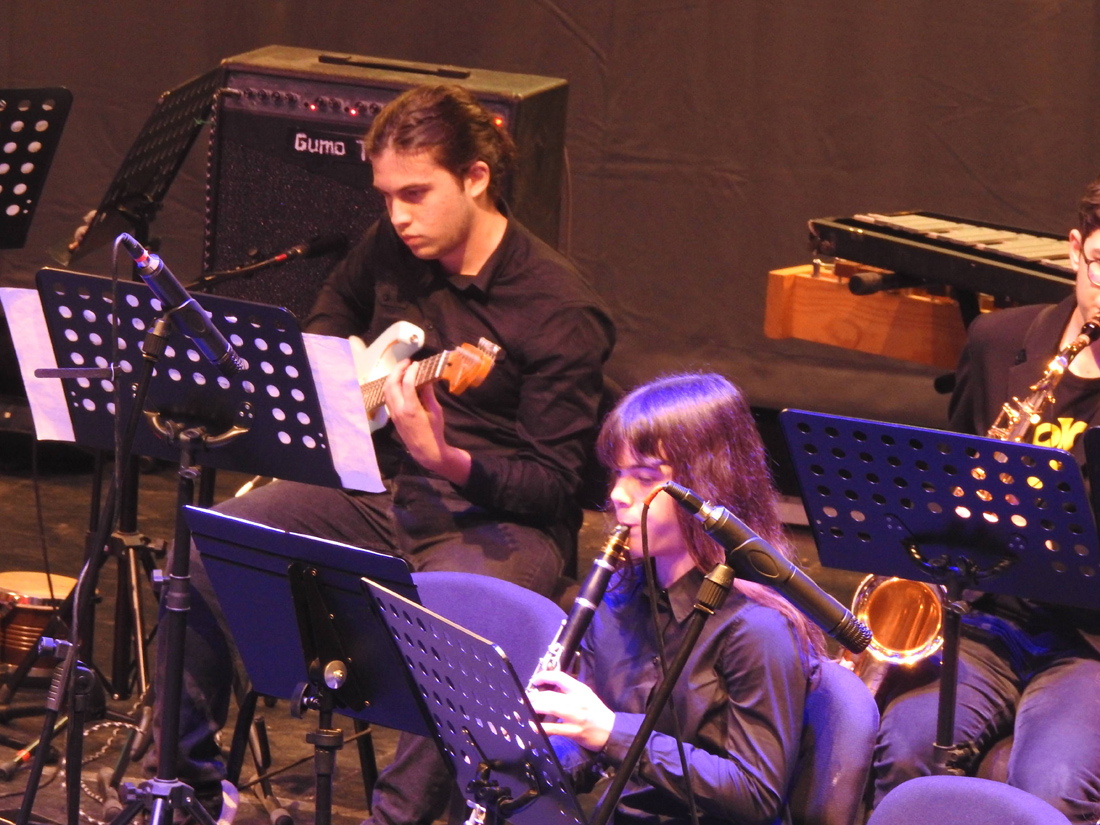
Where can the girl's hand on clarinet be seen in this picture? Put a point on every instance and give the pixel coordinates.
(582, 715)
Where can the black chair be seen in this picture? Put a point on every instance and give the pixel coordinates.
(962, 800)
(838, 737)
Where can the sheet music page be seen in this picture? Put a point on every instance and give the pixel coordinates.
(349, 435)
(31, 337)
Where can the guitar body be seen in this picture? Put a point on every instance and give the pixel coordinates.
(463, 367)
(397, 342)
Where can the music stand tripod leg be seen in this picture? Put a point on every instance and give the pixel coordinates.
(138, 626)
(946, 752)
(166, 793)
(250, 732)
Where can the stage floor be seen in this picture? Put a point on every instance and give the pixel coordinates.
(64, 490)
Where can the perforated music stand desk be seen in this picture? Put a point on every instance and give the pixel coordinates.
(274, 395)
(466, 684)
(883, 497)
(31, 122)
(249, 566)
(150, 165)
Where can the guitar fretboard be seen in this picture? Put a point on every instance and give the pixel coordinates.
(427, 370)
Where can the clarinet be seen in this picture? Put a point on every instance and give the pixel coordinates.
(561, 651)
(559, 656)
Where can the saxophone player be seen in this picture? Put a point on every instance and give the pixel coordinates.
(1025, 668)
(741, 698)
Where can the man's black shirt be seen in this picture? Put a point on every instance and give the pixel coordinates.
(528, 425)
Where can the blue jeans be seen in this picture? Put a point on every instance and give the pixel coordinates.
(1047, 695)
(420, 519)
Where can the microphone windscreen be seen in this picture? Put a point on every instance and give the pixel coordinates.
(326, 245)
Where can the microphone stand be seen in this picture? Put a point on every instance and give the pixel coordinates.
(711, 596)
(310, 249)
(155, 342)
(212, 279)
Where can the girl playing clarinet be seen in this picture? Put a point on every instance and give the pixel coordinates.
(738, 705)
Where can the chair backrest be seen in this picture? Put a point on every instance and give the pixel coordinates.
(522, 622)
(962, 800)
(838, 737)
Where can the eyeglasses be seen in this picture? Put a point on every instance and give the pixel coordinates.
(1092, 267)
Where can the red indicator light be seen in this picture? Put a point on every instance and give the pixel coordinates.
(313, 107)
(499, 121)
(353, 112)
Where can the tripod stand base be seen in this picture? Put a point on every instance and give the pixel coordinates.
(158, 796)
(8, 818)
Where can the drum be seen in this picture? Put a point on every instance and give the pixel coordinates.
(25, 607)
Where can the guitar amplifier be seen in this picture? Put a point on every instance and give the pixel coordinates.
(286, 161)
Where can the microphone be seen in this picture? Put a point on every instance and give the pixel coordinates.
(315, 247)
(757, 561)
(191, 319)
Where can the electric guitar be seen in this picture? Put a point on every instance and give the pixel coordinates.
(462, 368)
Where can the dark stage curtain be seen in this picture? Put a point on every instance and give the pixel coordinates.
(702, 135)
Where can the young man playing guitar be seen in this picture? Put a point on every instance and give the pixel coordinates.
(485, 481)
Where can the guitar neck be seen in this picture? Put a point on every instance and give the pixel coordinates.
(428, 370)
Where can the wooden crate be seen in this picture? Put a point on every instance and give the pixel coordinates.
(906, 324)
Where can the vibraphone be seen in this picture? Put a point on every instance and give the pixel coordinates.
(1020, 265)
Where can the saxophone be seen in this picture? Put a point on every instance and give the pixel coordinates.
(1017, 417)
(559, 655)
(906, 617)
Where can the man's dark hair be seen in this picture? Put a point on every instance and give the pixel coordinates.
(452, 125)
(1088, 211)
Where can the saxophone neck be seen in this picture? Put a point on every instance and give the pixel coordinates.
(1017, 417)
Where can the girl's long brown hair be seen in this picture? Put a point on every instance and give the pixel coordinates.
(700, 425)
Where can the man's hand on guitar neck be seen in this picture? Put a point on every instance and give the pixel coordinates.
(419, 419)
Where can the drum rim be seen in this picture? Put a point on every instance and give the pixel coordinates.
(21, 599)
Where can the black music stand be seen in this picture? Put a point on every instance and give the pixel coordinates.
(31, 122)
(303, 631)
(149, 168)
(188, 390)
(276, 392)
(1090, 438)
(130, 204)
(479, 715)
(274, 399)
(957, 510)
